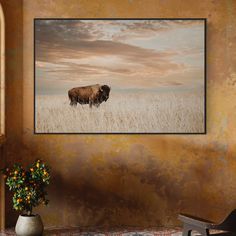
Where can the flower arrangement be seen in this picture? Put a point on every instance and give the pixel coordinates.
(28, 186)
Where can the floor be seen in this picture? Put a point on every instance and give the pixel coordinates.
(81, 232)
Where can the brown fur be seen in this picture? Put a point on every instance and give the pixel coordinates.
(92, 95)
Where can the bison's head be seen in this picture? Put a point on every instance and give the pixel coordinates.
(104, 92)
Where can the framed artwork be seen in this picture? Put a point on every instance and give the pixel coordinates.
(119, 76)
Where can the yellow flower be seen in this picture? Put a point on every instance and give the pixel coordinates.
(31, 169)
(45, 173)
(14, 177)
(28, 197)
(26, 188)
(16, 172)
(37, 165)
(19, 200)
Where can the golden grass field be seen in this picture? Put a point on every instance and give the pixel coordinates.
(181, 112)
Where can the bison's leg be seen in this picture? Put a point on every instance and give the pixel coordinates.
(73, 102)
(90, 102)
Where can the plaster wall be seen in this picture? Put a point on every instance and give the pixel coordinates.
(134, 180)
(11, 149)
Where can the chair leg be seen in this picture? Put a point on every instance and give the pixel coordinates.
(186, 230)
(204, 232)
(186, 233)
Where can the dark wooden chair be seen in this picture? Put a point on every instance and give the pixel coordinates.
(203, 226)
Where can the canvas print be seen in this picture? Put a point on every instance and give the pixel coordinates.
(119, 76)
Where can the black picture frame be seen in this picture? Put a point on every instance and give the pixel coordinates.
(126, 133)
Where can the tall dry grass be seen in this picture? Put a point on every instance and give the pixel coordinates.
(181, 112)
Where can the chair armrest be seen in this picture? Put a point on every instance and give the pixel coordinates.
(192, 220)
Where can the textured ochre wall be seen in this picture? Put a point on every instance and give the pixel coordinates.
(14, 86)
(139, 180)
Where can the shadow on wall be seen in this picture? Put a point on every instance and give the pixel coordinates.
(140, 185)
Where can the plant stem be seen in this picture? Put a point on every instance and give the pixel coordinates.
(29, 212)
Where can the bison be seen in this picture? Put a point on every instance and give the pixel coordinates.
(92, 95)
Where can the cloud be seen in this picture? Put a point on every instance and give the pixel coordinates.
(118, 52)
(116, 30)
(99, 55)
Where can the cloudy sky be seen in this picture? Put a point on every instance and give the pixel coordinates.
(124, 54)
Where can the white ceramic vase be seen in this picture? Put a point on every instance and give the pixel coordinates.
(29, 225)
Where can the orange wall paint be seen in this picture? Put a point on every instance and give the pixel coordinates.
(14, 88)
(138, 180)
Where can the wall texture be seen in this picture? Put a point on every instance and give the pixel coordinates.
(135, 180)
(14, 88)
